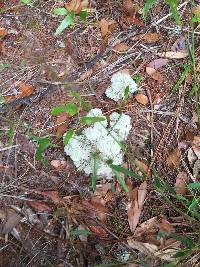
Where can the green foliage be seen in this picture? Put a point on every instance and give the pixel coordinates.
(194, 185)
(137, 78)
(27, 2)
(147, 6)
(90, 120)
(78, 232)
(125, 171)
(70, 108)
(43, 144)
(94, 173)
(121, 181)
(69, 18)
(68, 135)
(4, 66)
(173, 4)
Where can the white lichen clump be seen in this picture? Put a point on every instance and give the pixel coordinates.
(119, 83)
(99, 143)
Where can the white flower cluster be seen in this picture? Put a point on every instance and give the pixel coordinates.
(99, 143)
(119, 82)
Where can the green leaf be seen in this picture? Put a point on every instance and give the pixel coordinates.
(125, 171)
(173, 4)
(90, 120)
(60, 11)
(195, 19)
(27, 2)
(194, 185)
(83, 14)
(59, 109)
(184, 240)
(80, 232)
(137, 78)
(2, 100)
(71, 109)
(94, 174)
(67, 136)
(85, 105)
(4, 66)
(147, 6)
(68, 20)
(121, 181)
(75, 95)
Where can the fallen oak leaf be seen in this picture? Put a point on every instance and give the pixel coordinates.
(174, 55)
(3, 32)
(142, 99)
(158, 63)
(180, 186)
(174, 158)
(39, 206)
(122, 47)
(135, 206)
(148, 37)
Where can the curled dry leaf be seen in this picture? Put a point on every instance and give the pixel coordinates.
(130, 7)
(53, 195)
(174, 158)
(61, 124)
(85, 75)
(104, 27)
(180, 186)
(146, 248)
(122, 47)
(39, 206)
(25, 90)
(179, 45)
(142, 99)
(135, 206)
(59, 164)
(174, 55)
(76, 5)
(148, 37)
(98, 230)
(3, 32)
(11, 220)
(157, 63)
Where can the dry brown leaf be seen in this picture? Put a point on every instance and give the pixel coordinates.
(174, 55)
(39, 206)
(150, 70)
(196, 170)
(98, 230)
(11, 220)
(142, 99)
(130, 7)
(196, 146)
(122, 47)
(104, 27)
(196, 10)
(95, 210)
(135, 206)
(85, 75)
(148, 37)
(2, 48)
(61, 124)
(76, 5)
(146, 248)
(59, 164)
(174, 158)
(25, 90)
(141, 165)
(157, 63)
(180, 186)
(53, 195)
(3, 32)
(179, 45)
(191, 157)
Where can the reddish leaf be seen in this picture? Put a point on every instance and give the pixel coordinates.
(3, 32)
(142, 99)
(53, 195)
(39, 206)
(61, 124)
(98, 230)
(135, 206)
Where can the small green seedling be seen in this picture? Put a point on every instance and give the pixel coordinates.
(43, 144)
(69, 18)
(27, 2)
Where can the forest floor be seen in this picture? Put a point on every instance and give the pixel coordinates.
(149, 214)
